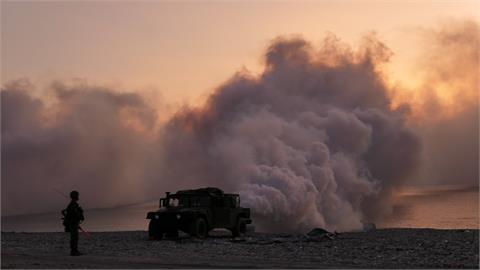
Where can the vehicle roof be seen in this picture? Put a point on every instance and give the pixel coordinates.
(209, 191)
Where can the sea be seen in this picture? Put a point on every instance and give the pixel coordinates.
(439, 208)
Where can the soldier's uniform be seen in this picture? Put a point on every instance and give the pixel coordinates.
(73, 217)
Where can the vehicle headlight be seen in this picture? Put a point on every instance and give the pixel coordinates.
(156, 216)
(178, 216)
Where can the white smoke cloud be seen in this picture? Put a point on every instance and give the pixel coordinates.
(306, 143)
(82, 142)
(446, 104)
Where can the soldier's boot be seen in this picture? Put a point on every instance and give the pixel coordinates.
(75, 253)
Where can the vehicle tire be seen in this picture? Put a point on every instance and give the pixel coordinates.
(240, 228)
(199, 228)
(154, 232)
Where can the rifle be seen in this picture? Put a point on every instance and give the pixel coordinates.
(87, 234)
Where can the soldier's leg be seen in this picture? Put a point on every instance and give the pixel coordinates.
(74, 239)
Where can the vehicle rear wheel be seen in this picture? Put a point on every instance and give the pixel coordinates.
(199, 228)
(240, 228)
(153, 231)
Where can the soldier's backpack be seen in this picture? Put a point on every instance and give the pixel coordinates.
(65, 222)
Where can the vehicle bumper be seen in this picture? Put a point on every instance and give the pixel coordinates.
(170, 221)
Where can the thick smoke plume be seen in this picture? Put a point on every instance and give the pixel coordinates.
(86, 138)
(311, 142)
(317, 139)
(445, 107)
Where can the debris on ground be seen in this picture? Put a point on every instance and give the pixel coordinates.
(250, 229)
(315, 235)
(369, 227)
(320, 234)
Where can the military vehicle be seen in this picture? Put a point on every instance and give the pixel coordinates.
(196, 212)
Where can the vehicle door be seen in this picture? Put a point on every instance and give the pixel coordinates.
(221, 212)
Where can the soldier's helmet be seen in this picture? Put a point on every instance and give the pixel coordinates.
(74, 195)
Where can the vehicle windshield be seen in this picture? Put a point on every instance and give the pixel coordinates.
(189, 201)
(179, 201)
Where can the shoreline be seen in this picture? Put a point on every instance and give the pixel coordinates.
(381, 248)
(224, 232)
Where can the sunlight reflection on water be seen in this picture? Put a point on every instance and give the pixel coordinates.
(441, 209)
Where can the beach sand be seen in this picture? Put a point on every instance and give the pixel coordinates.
(383, 248)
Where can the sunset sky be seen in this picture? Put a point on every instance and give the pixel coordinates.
(185, 49)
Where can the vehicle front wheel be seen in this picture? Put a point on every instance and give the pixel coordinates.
(154, 232)
(240, 228)
(198, 228)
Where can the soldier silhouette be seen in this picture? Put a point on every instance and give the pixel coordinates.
(73, 216)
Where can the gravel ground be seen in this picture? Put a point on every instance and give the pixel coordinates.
(384, 248)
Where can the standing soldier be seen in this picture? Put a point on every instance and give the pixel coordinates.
(73, 217)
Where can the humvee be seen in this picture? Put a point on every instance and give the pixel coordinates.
(196, 212)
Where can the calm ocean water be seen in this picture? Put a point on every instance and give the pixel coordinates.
(441, 209)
